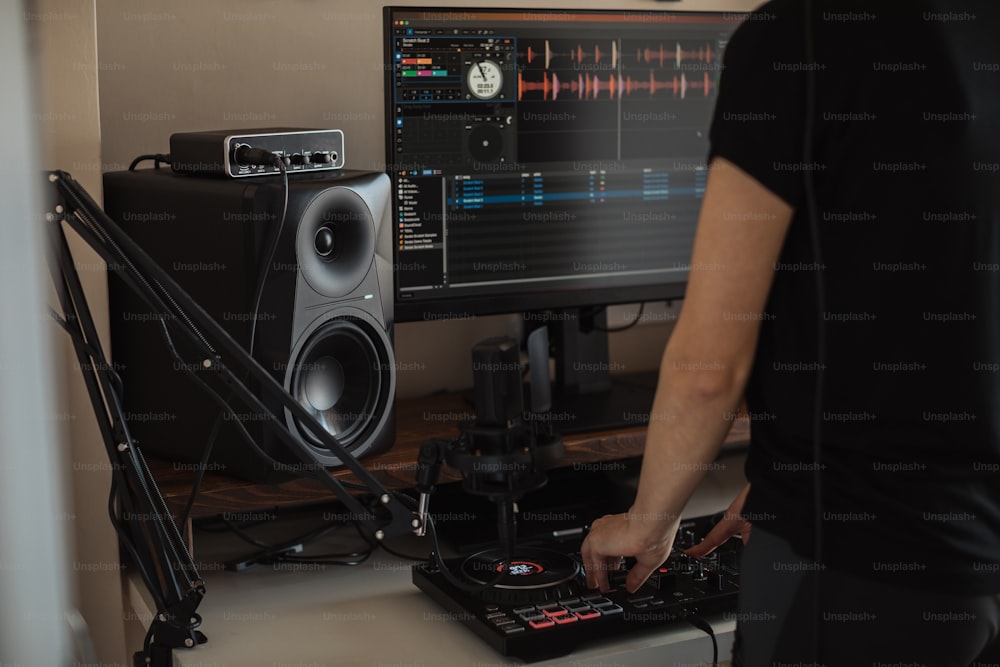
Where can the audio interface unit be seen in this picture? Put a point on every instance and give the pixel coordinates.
(235, 153)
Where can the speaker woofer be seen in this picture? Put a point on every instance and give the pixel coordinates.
(342, 377)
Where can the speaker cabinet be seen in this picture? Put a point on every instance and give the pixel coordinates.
(322, 328)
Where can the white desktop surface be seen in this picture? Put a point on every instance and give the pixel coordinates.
(372, 615)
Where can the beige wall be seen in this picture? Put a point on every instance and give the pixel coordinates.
(68, 120)
(186, 65)
(34, 521)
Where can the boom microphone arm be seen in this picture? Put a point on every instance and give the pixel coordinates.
(144, 523)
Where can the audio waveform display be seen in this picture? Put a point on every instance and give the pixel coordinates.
(678, 55)
(584, 86)
(615, 69)
(609, 53)
(596, 52)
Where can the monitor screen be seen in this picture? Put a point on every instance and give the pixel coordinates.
(546, 158)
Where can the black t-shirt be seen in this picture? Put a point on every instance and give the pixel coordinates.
(906, 165)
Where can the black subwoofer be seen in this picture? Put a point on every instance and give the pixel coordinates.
(322, 326)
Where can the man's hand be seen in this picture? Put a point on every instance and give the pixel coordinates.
(617, 535)
(732, 523)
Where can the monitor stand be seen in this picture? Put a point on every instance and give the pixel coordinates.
(586, 395)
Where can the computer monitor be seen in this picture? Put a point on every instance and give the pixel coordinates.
(549, 162)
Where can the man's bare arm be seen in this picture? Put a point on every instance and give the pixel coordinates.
(704, 370)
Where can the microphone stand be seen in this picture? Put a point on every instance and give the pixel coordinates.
(505, 453)
(141, 518)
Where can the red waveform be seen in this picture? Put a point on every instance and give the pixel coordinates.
(678, 85)
(703, 54)
(649, 55)
(532, 54)
(593, 87)
(544, 86)
(584, 86)
(577, 86)
(577, 54)
(556, 86)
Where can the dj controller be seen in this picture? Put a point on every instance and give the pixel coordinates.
(541, 608)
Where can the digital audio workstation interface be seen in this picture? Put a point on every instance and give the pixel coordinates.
(537, 151)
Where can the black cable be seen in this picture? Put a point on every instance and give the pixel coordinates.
(624, 327)
(399, 554)
(185, 367)
(326, 559)
(812, 211)
(706, 627)
(220, 401)
(148, 639)
(210, 444)
(156, 157)
(405, 499)
(451, 578)
(246, 537)
(330, 558)
(259, 292)
(200, 474)
(281, 552)
(294, 560)
(239, 529)
(208, 524)
(335, 558)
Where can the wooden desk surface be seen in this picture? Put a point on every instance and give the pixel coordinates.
(417, 420)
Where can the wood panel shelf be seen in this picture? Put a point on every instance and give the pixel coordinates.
(417, 420)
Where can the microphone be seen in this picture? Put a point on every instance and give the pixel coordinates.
(504, 453)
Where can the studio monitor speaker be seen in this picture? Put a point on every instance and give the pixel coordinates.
(322, 325)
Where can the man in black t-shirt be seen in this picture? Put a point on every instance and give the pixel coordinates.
(876, 128)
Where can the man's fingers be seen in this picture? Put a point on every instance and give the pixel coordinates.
(597, 570)
(637, 576)
(717, 536)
